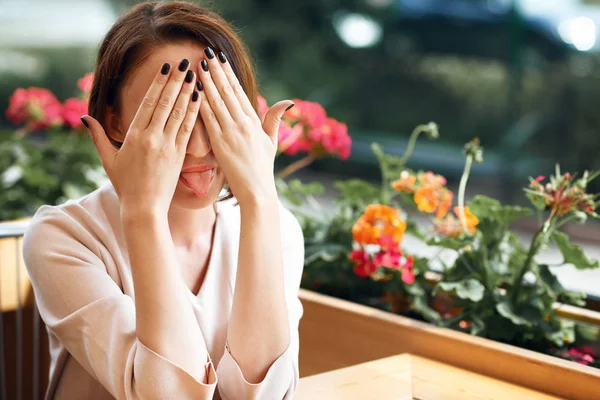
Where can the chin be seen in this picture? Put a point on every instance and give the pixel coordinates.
(186, 198)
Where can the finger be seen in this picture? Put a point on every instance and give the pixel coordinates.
(217, 103)
(180, 109)
(238, 90)
(273, 117)
(223, 86)
(185, 131)
(167, 98)
(105, 149)
(211, 122)
(146, 109)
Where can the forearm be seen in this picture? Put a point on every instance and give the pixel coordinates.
(258, 329)
(165, 320)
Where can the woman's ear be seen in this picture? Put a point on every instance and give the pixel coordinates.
(113, 128)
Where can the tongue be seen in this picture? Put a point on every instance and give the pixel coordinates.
(198, 181)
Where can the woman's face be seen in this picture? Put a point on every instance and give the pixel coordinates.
(198, 153)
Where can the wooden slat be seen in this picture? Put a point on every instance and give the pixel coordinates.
(335, 334)
(10, 257)
(388, 378)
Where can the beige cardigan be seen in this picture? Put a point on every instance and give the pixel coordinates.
(80, 272)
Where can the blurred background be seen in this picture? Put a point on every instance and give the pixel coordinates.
(522, 75)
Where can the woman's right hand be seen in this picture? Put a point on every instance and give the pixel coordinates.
(145, 170)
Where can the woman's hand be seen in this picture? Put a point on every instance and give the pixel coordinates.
(244, 146)
(145, 170)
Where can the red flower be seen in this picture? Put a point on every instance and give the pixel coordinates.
(85, 83)
(72, 111)
(38, 108)
(389, 259)
(363, 266)
(408, 276)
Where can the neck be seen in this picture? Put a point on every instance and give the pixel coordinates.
(187, 225)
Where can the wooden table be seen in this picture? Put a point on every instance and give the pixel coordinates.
(406, 376)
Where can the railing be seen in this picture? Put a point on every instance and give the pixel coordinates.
(24, 356)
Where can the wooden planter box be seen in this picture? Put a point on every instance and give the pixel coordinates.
(335, 334)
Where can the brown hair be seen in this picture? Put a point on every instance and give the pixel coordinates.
(149, 25)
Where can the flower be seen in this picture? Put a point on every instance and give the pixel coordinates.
(38, 108)
(563, 196)
(389, 259)
(363, 267)
(263, 107)
(452, 227)
(377, 221)
(72, 111)
(406, 183)
(408, 276)
(85, 83)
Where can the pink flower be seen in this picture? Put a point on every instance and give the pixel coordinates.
(388, 259)
(309, 113)
(363, 266)
(38, 108)
(408, 276)
(263, 107)
(85, 83)
(72, 111)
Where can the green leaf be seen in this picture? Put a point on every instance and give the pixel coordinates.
(536, 199)
(448, 243)
(413, 229)
(572, 254)
(470, 289)
(477, 326)
(420, 305)
(485, 207)
(325, 252)
(357, 192)
(505, 309)
(548, 280)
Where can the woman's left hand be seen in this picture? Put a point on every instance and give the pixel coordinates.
(244, 146)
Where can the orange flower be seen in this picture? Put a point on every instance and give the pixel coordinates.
(427, 198)
(406, 183)
(452, 227)
(471, 220)
(445, 203)
(376, 222)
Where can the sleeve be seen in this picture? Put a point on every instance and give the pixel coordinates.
(281, 380)
(93, 319)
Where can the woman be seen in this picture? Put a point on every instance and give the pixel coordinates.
(152, 287)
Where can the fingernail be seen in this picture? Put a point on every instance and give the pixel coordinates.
(195, 96)
(83, 121)
(204, 65)
(290, 107)
(199, 86)
(222, 57)
(184, 64)
(165, 68)
(209, 53)
(189, 76)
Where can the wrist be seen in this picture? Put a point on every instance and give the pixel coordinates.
(258, 201)
(136, 214)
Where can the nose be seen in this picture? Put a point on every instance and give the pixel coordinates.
(199, 145)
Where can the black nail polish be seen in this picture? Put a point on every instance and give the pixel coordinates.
(222, 57)
(204, 65)
(189, 76)
(165, 68)
(184, 64)
(83, 121)
(209, 53)
(199, 86)
(195, 96)
(290, 107)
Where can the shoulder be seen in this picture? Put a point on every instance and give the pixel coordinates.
(62, 228)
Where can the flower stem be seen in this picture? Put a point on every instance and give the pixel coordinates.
(461, 193)
(295, 166)
(534, 248)
(410, 147)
